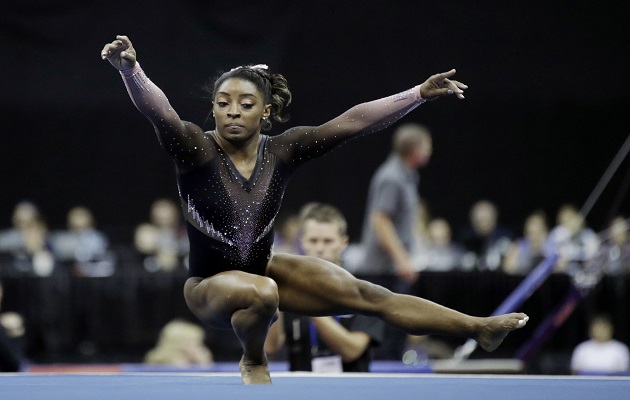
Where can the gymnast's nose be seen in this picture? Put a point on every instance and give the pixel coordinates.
(233, 111)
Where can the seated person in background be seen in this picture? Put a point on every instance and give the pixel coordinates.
(181, 344)
(154, 258)
(287, 235)
(83, 244)
(325, 344)
(162, 244)
(571, 240)
(81, 240)
(11, 339)
(27, 243)
(25, 214)
(601, 354)
(36, 254)
(615, 248)
(485, 241)
(165, 215)
(526, 252)
(440, 253)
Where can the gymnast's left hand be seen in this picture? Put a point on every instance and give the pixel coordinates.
(440, 85)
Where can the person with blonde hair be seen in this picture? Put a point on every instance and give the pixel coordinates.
(180, 344)
(325, 344)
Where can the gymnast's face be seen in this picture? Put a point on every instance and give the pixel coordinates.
(323, 240)
(238, 110)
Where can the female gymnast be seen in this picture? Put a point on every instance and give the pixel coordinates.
(231, 181)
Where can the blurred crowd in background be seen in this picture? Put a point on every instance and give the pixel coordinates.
(29, 248)
(160, 244)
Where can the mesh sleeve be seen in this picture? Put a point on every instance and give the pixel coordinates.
(184, 141)
(300, 144)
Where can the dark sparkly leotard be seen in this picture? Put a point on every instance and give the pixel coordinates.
(229, 218)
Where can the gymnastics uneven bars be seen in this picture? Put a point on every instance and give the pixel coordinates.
(521, 293)
(525, 289)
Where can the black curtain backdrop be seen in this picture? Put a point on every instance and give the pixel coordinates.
(546, 111)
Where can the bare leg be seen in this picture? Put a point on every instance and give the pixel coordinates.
(244, 302)
(315, 287)
(418, 316)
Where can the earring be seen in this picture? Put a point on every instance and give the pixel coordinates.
(266, 124)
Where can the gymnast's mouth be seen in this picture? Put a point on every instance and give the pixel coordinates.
(233, 126)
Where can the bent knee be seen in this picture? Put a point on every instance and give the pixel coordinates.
(259, 294)
(264, 295)
(214, 301)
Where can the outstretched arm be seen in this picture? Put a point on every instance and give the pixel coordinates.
(308, 142)
(183, 140)
(350, 345)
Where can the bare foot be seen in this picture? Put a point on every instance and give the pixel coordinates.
(254, 374)
(494, 329)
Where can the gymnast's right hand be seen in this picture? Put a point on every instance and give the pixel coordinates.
(120, 53)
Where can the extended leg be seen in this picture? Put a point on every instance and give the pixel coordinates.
(315, 287)
(244, 302)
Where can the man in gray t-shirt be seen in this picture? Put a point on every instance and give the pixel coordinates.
(392, 207)
(389, 224)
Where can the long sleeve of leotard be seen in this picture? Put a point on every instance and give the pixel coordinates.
(183, 140)
(305, 142)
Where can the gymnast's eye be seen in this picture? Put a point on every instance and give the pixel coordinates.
(222, 103)
(247, 106)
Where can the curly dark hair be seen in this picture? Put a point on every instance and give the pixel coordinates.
(273, 86)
